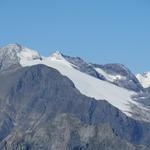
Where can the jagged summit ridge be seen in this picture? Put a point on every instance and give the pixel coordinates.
(118, 74)
(57, 55)
(85, 77)
(16, 55)
(9, 57)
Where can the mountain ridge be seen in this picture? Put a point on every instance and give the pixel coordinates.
(56, 94)
(86, 81)
(64, 103)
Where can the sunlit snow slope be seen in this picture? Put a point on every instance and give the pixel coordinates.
(86, 84)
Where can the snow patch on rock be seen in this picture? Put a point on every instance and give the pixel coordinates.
(144, 79)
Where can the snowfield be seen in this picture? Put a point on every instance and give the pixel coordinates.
(86, 84)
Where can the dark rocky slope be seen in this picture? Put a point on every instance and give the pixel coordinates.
(32, 96)
(66, 132)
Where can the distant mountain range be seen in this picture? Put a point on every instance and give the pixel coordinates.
(64, 103)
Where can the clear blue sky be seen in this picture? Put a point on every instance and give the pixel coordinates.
(100, 31)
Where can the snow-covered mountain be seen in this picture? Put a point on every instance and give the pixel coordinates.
(86, 84)
(119, 75)
(144, 79)
(15, 54)
(91, 80)
(67, 100)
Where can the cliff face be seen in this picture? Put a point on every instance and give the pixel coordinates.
(41, 109)
(66, 132)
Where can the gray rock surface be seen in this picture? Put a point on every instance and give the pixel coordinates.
(41, 109)
(31, 96)
(9, 58)
(66, 132)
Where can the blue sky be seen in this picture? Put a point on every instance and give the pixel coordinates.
(100, 31)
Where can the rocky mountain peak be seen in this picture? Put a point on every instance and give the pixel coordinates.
(15, 55)
(57, 55)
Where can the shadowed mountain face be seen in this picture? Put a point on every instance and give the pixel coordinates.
(33, 98)
(126, 78)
